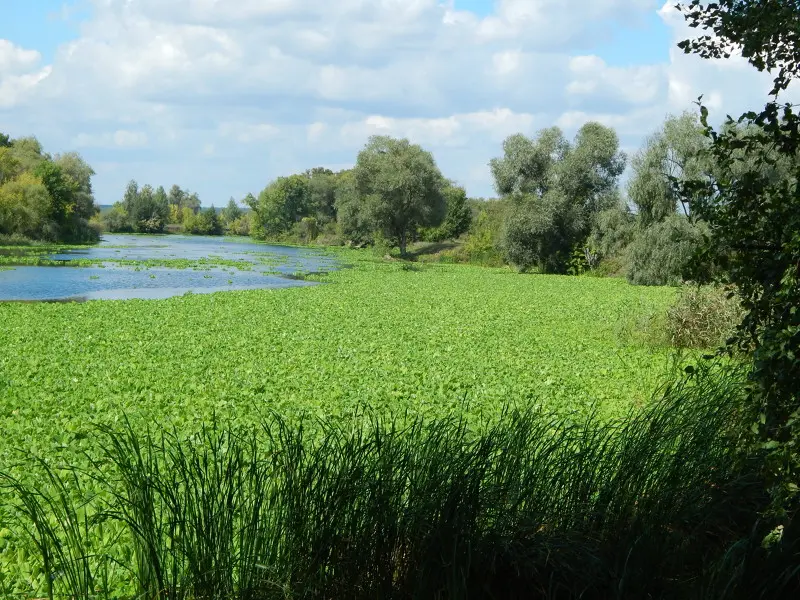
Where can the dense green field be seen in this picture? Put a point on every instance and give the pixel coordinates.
(383, 336)
(378, 336)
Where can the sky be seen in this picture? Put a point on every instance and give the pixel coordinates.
(223, 96)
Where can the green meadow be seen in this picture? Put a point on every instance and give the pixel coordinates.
(380, 336)
(376, 340)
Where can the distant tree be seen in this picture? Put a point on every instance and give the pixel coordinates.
(206, 222)
(661, 253)
(675, 151)
(147, 209)
(79, 177)
(458, 215)
(353, 222)
(160, 198)
(175, 196)
(613, 231)
(117, 220)
(131, 196)
(60, 188)
(398, 189)
(231, 212)
(557, 189)
(29, 152)
(25, 208)
(10, 166)
(322, 193)
(281, 204)
(5, 140)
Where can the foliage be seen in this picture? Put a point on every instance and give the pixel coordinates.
(754, 220)
(558, 188)
(702, 317)
(322, 184)
(662, 253)
(613, 231)
(141, 210)
(230, 213)
(673, 152)
(281, 204)
(309, 229)
(458, 216)
(396, 189)
(44, 198)
(534, 503)
(541, 232)
(206, 222)
(240, 226)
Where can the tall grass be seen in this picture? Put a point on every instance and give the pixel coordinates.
(531, 506)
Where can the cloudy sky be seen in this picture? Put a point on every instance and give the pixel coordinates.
(221, 96)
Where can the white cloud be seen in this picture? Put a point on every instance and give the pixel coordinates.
(120, 139)
(228, 94)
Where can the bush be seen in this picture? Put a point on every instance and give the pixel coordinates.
(662, 253)
(541, 233)
(116, 220)
(702, 317)
(239, 226)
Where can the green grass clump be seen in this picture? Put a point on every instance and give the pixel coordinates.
(532, 505)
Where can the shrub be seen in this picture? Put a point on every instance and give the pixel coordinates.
(702, 317)
(661, 253)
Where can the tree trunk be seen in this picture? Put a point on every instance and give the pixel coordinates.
(403, 243)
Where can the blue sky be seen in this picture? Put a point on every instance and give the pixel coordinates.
(264, 89)
(41, 25)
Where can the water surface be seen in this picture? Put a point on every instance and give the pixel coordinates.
(267, 267)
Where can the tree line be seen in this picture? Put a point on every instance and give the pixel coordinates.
(44, 197)
(154, 210)
(561, 207)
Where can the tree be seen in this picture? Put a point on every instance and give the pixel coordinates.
(280, 205)
(527, 166)
(131, 196)
(613, 231)
(353, 222)
(674, 152)
(61, 190)
(147, 209)
(322, 193)
(191, 201)
(79, 175)
(754, 220)
(5, 140)
(398, 189)
(10, 166)
(557, 189)
(175, 196)
(29, 152)
(205, 222)
(25, 208)
(458, 215)
(541, 232)
(661, 253)
(231, 212)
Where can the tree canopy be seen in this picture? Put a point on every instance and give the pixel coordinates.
(396, 188)
(557, 188)
(44, 197)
